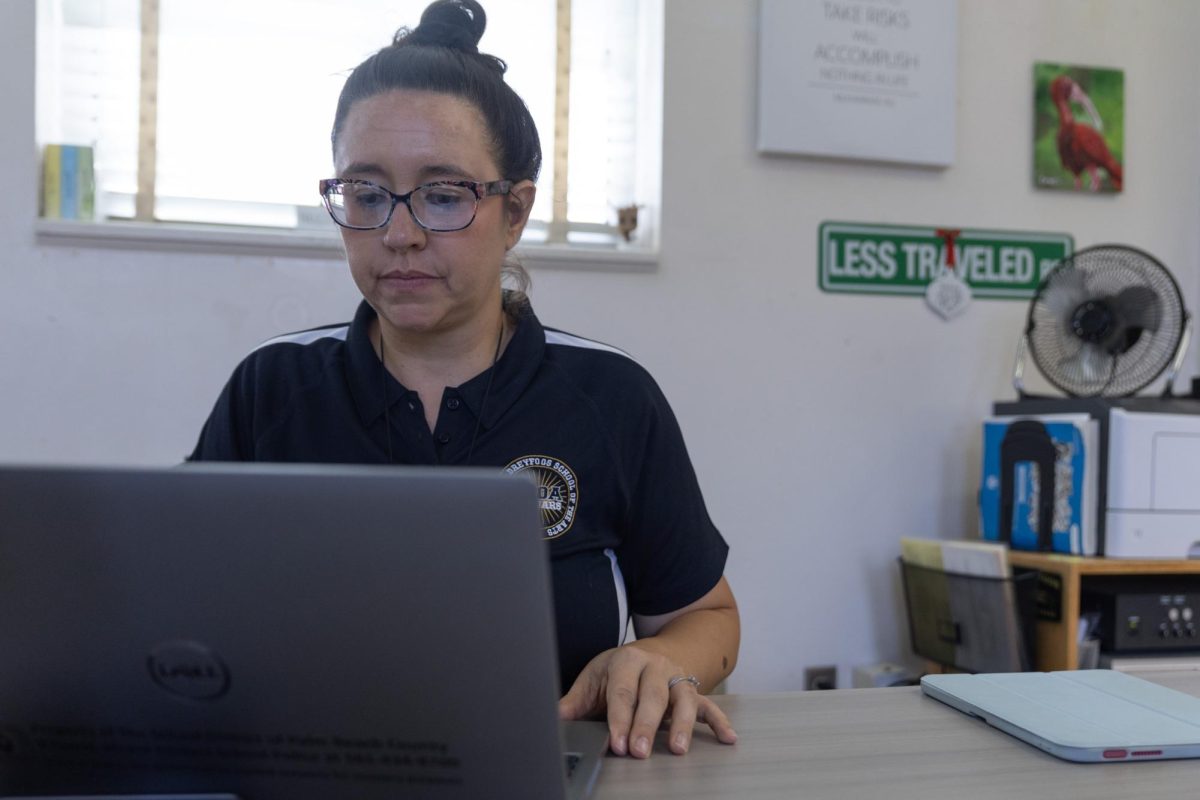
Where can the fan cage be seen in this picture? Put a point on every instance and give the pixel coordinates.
(1132, 287)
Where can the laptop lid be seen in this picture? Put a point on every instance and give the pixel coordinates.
(1085, 715)
(272, 631)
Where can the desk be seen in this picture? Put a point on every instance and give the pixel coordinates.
(860, 744)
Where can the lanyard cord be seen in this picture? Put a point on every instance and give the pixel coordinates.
(487, 390)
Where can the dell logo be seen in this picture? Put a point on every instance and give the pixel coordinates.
(188, 669)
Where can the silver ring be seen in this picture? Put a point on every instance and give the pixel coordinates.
(683, 679)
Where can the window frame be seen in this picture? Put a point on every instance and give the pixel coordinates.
(320, 239)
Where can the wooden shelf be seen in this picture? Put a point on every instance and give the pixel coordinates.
(1058, 641)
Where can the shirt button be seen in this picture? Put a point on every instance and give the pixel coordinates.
(453, 403)
(444, 438)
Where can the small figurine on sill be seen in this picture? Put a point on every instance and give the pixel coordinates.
(627, 221)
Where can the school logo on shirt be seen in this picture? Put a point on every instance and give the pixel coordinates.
(558, 491)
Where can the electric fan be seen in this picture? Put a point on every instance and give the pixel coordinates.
(1106, 321)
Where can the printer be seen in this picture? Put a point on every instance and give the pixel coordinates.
(1148, 487)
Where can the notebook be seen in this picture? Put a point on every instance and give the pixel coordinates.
(1086, 715)
(271, 632)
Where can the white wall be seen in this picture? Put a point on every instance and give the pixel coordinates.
(823, 427)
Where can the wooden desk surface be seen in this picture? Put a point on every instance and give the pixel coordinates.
(896, 743)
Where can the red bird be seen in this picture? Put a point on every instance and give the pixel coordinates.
(1081, 147)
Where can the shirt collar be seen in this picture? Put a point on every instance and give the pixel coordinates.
(365, 373)
(513, 371)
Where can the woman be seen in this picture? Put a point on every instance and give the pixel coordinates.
(436, 160)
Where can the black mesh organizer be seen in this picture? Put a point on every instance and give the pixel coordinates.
(972, 623)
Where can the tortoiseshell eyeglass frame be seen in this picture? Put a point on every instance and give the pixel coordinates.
(480, 189)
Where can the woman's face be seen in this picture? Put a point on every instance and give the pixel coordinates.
(420, 281)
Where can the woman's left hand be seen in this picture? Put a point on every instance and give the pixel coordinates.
(631, 684)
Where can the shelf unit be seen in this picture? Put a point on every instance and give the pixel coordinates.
(1057, 641)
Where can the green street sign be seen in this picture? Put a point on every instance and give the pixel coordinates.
(904, 259)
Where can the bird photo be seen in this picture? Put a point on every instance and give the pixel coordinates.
(1079, 128)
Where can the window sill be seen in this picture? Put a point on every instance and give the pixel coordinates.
(180, 238)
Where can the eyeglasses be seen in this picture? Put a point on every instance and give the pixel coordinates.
(442, 206)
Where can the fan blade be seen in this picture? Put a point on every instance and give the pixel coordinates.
(1066, 290)
(1095, 365)
(1138, 307)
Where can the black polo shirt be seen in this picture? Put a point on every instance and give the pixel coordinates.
(622, 512)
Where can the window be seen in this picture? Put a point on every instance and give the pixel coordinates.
(247, 88)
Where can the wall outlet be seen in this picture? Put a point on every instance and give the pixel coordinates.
(820, 677)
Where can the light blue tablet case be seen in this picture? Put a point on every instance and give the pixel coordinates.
(1086, 715)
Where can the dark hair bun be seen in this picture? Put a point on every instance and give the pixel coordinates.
(456, 24)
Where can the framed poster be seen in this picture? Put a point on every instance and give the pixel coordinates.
(860, 79)
(1079, 128)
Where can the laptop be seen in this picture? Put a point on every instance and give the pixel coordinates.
(274, 632)
(1086, 715)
